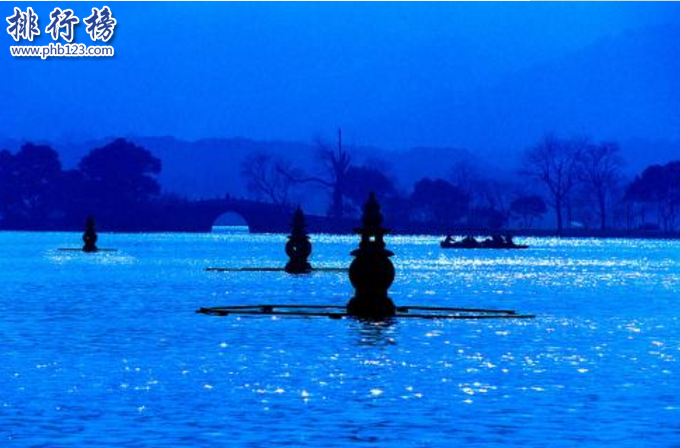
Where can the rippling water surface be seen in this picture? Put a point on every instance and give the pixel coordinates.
(106, 349)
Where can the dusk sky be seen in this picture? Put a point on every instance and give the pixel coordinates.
(469, 75)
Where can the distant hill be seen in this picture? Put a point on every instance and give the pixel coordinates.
(622, 88)
(212, 167)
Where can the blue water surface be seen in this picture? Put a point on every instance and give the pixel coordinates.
(106, 349)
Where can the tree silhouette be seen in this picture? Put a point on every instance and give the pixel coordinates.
(265, 176)
(6, 187)
(335, 163)
(528, 208)
(29, 184)
(466, 176)
(659, 185)
(360, 181)
(120, 173)
(601, 170)
(74, 197)
(555, 163)
(439, 201)
(489, 196)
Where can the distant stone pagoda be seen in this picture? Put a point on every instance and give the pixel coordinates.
(298, 247)
(371, 272)
(90, 236)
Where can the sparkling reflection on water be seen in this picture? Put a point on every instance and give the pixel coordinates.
(106, 350)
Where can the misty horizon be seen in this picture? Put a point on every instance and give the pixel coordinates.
(428, 97)
(489, 79)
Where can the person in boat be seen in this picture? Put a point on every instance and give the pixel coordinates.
(469, 241)
(496, 241)
(448, 240)
(508, 241)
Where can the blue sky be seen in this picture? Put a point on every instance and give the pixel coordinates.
(392, 75)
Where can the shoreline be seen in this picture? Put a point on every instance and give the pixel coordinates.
(454, 232)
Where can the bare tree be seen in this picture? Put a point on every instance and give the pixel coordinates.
(601, 171)
(555, 163)
(485, 188)
(465, 175)
(336, 163)
(498, 195)
(264, 176)
(528, 208)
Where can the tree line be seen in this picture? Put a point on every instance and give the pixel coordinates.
(566, 182)
(116, 182)
(562, 182)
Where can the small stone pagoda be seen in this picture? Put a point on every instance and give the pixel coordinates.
(371, 272)
(298, 247)
(90, 236)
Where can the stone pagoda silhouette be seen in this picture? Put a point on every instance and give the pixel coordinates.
(371, 272)
(298, 247)
(90, 236)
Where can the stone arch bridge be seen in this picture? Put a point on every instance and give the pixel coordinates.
(261, 217)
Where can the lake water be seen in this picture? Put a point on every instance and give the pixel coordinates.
(107, 350)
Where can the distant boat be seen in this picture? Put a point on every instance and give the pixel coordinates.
(469, 242)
